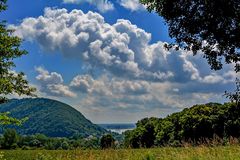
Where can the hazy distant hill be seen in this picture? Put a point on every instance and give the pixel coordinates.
(50, 117)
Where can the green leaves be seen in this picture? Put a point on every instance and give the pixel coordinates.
(196, 125)
(235, 96)
(3, 5)
(107, 141)
(143, 135)
(5, 119)
(211, 27)
(10, 81)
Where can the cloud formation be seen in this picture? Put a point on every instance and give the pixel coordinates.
(122, 49)
(52, 84)
(106, 5)
(133, 5)
(138, 95)
(133, 74)
(106, 86)
(110, 95)
(148, 99)
(102, 5)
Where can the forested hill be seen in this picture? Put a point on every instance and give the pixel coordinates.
(199, 124)
(50, 117)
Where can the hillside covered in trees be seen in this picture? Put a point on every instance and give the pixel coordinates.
(200, 124)
(51, 118)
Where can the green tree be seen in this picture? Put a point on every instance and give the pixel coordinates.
(107, 141)
(209, 26)
(65, 145)
(10, 81)
(235, 96)
(143, 135)
(10, 138)
(5, 119)
(200, 124)
(147, 134)
(92, 143)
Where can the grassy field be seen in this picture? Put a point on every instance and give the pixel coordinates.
(196, 153)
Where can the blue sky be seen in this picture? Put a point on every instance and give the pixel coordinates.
(106, 59)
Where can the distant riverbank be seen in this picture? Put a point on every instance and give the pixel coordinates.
(118, 127)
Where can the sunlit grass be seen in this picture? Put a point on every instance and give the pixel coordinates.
(189, 153)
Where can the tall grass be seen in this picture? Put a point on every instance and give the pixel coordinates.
(166, 153)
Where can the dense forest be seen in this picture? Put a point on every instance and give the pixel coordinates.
(51, 118)
(200, 124)
(12, 140)
(207, 124)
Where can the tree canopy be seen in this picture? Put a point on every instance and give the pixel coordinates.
(11, 81)
(210, 26)
(5, 119)
(200, 124)
(235, 96)
(107, 141)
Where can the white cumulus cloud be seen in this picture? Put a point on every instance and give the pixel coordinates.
(101, 5)
(133, 5)
(52, 83)
(108, 86)
(122, 49)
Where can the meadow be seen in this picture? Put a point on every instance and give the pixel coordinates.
(166, 153)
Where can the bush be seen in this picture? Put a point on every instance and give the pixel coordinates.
(107, 141)
(10, 139)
